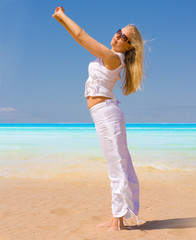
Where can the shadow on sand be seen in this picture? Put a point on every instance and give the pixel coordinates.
(165, 224)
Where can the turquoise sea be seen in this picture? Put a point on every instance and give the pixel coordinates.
(49, 150)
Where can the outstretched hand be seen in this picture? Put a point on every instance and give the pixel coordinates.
(58, 13)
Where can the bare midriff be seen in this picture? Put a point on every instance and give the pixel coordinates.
(91, 101)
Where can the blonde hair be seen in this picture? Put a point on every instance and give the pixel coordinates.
(133, 70)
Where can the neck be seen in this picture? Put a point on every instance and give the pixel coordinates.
(115, 51)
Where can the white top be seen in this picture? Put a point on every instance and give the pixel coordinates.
(101, 80)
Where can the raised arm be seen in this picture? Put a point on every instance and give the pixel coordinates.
(110, 59)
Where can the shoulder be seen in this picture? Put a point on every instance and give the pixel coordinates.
(116, 62)
(121, 56)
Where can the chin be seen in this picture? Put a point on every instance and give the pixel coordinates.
(114, 47)
(112, 43)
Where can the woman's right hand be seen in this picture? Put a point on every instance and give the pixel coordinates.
(59, 11)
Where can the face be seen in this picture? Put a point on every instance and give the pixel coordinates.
(118, 45)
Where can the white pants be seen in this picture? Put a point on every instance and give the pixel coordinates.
(111, 131)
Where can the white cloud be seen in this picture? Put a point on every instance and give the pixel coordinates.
(7, 109)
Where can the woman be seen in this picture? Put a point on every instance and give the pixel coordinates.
(104, 72)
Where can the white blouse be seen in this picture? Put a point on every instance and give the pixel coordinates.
(101, 80)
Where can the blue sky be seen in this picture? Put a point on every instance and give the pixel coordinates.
(43, 70)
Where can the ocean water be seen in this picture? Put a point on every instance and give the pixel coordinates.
(50, 150)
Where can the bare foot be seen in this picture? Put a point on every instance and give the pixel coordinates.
(105, 224)
(112, 224)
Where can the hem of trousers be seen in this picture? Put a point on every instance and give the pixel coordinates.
(128, 213)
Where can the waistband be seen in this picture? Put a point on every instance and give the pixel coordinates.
(105, 103)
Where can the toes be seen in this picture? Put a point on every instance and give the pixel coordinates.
(103, 225)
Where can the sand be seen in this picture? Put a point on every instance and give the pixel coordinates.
(70, 207)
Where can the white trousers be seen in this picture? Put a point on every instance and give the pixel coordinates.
(111, 131)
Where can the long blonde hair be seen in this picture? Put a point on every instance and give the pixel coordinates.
(133, 70)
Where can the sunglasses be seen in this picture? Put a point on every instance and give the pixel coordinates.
(123, 37)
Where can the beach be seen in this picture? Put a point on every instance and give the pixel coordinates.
(54, 182)
(70, 207)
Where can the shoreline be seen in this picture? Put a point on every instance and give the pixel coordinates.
(92, 168)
